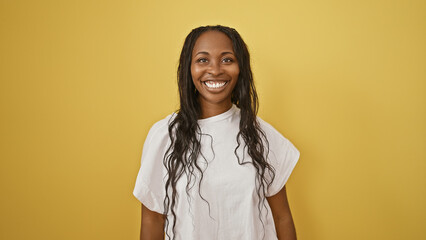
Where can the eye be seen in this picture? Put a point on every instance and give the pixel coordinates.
(227, 60)
(202, 60)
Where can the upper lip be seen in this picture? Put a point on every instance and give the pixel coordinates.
(213, 79)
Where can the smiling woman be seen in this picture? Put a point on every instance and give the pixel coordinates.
(214, 70)
(214, 169)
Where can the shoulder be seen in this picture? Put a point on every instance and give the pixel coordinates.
(284, 154)
(272, 134)
(160, 129)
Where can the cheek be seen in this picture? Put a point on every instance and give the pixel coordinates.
(195, 72)
(235, 72)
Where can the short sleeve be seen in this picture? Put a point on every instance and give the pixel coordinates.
(283, 156)
(150, 182)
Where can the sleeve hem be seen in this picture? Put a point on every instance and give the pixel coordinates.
(290, 170)
(148, 199)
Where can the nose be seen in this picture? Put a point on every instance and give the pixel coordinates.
(214, 68)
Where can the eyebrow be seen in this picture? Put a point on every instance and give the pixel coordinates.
(223, 53)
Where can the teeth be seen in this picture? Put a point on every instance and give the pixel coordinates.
(211, 84)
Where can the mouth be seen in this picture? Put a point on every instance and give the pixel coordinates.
(215, 85)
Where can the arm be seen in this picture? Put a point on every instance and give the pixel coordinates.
(152, 225)
(282, 216)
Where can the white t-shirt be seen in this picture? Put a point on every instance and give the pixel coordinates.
(229, 187)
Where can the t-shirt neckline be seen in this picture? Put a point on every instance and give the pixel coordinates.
(219, 117)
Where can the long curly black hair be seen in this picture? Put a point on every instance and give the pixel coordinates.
(184, 131)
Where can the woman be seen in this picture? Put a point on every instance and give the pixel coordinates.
(207, 170)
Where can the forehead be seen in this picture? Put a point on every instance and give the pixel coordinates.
(213, 41)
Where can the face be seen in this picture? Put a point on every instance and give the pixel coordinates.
(214, 68)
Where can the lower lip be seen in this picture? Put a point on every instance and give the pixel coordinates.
(215, 90)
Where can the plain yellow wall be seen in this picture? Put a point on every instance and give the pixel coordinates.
(82, 82)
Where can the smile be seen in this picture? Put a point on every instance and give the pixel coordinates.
(215, 84)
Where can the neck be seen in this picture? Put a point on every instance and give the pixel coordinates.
(213, 109)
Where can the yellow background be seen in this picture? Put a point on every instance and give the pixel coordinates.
(83, 81)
